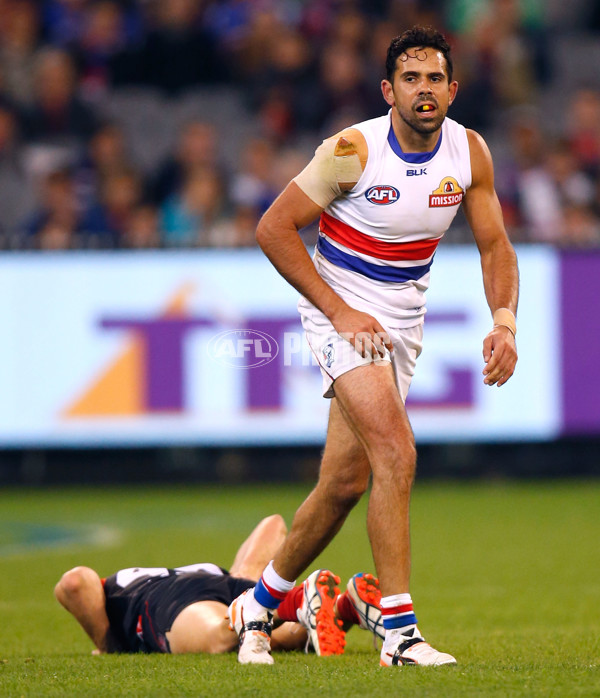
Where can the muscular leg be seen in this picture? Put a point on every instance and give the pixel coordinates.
(259, 548)
(203, 627)
(343, 479)
(371, 405)
(80, 592)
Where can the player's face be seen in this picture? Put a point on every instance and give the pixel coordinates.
(420, 92)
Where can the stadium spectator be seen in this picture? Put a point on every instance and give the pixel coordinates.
(175, 55)
(505, 50)
(143, 231)
(583, 129)
(64, 20)
(343, 93)
(103, 38)
(286, 163)
(183, 610)
(57, 220)
(547, 183)
(246, 31)
(573, 185)
(19, 40)
(284, 91)
(106, 153)
(188, 216)
(238, 230)
(57, 114)
(351, 29)
(197, 146)
(523, 184)
(252, 184)
(55, 236)
(581, 227)
(106, 221)
(17, 196)
(502, 54)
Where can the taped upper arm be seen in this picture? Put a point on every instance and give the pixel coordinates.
(336, 167)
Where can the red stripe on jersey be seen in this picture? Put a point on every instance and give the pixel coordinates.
(279, 595)
(365, 244)
(405, 608)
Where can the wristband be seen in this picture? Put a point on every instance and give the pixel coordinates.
(505, 318)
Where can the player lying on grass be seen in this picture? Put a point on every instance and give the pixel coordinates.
(183, 610)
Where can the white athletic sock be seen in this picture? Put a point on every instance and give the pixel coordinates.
(274, 581)
(254, 610)
(269, 592)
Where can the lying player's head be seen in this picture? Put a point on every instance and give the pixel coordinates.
(417, 37)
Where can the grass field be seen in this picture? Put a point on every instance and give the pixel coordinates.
(506, 577)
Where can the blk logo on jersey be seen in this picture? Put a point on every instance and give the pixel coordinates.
(449, 193)
(382, 194)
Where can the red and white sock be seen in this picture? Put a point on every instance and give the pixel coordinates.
(398, 619)
(269, 592)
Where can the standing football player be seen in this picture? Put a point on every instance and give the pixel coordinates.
(386, 191)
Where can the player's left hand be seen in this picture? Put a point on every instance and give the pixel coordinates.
(500, 356)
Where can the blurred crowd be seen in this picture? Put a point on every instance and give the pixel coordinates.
(87, 86)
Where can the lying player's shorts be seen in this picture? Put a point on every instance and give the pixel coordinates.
(143, 613)
(336, 355)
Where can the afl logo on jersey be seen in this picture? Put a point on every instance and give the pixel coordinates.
(382, 194)
(448, 193)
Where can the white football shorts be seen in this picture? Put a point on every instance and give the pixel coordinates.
(336, 355)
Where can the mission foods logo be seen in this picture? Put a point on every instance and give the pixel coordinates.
(448, 193)
(382, 194)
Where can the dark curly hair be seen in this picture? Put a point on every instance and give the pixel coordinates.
(417, 37)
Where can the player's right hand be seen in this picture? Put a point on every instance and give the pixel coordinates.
(363, 331)
(500, 356)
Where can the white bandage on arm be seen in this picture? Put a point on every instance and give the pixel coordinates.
(505, 318)
(335, 167)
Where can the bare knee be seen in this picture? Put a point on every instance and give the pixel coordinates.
(394, 466)
(74, 582)
(346, 493)
(277, 525)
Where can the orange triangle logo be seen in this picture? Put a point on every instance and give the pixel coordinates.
(120, 389)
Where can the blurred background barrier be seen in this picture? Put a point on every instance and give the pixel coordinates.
(205, 348)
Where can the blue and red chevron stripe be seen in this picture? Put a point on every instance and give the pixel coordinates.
(378, 272)
(348, 236)
(267, 596)
(398, 616)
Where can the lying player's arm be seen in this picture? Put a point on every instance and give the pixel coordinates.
(331, 172)
(80, 591)
(498, 263)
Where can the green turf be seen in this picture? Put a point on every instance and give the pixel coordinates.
(506, 577)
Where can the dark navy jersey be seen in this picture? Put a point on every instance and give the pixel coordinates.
(143, 602)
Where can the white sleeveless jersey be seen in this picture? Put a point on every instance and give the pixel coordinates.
(377, 241)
